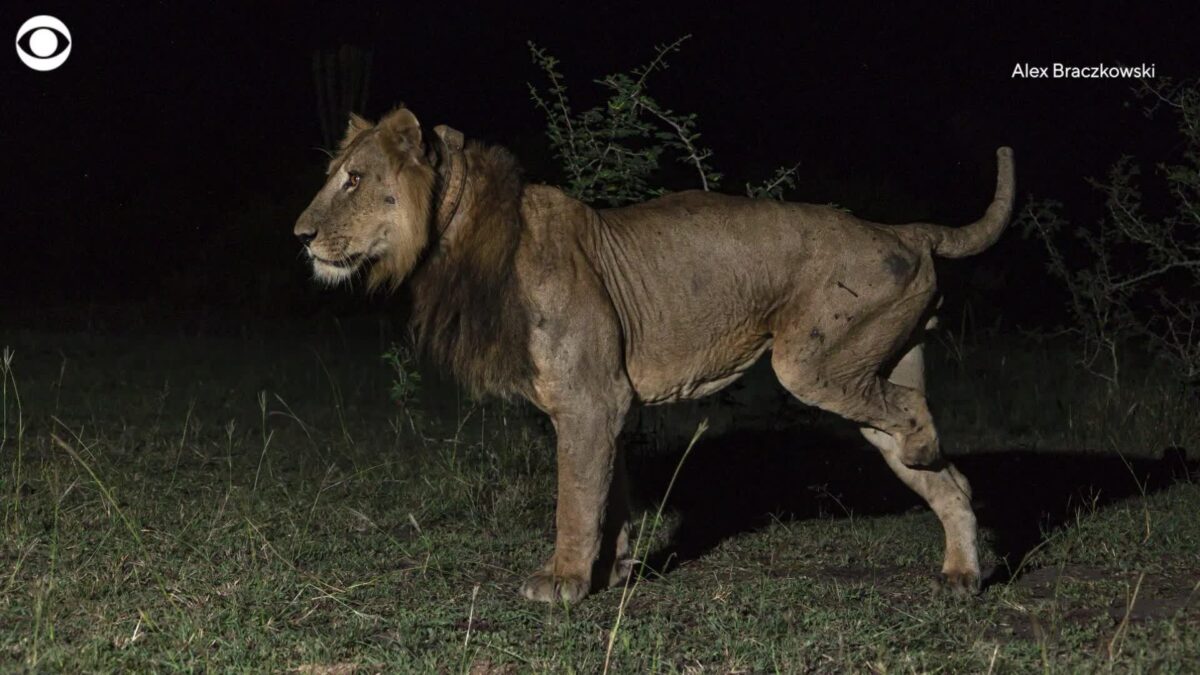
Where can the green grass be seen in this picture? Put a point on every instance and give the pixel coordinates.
(258, 504)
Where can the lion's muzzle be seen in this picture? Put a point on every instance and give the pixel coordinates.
(306, 229)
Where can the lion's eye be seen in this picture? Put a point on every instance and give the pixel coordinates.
(352, 179)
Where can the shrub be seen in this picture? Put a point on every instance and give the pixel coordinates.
(610, 153)
(1135, 274)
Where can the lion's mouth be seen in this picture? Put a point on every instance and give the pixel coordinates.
(346, 262)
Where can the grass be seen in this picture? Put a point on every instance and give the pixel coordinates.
(256, 503)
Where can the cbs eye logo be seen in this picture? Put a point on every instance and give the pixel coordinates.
(43, 43)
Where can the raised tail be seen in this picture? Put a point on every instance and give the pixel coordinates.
(959, 242)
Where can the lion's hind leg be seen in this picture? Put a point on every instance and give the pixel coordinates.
(841, 375)
(945, 489)
(614, 562)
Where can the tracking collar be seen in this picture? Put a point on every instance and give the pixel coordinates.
(454, 180)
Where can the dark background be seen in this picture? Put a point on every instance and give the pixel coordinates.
(162, 167)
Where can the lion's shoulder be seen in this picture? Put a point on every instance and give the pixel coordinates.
(549, 214)
(541, 201)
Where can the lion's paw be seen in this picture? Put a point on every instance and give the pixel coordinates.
(961, 584)
(621, 571)
(545, 587)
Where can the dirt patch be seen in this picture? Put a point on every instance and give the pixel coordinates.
(1041, 583)
(1042, 626)
(1159, 597)
(1150, 609)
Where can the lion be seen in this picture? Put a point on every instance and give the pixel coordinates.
(523, 291)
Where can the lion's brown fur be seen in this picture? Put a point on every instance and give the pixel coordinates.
(467, 311)
(415, 193)
(414, 188)
(526, 291)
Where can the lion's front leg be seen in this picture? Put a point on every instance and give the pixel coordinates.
(590, 526)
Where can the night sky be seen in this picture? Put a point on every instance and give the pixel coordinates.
(166, 161)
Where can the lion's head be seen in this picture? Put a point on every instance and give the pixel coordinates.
(374, 209)
(444, 217)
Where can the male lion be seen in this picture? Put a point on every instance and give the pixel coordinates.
(522, 290)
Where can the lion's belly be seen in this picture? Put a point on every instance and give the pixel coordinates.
(667, 376)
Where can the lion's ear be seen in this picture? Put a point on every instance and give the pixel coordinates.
(401, 135)
(453, 138)
(356, 126)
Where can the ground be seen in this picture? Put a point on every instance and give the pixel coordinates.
(255, 501)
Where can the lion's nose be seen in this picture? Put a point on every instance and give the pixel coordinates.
(305, 231)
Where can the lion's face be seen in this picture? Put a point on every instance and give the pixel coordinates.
(373, 210)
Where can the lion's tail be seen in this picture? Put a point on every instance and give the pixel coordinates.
(959, 242)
